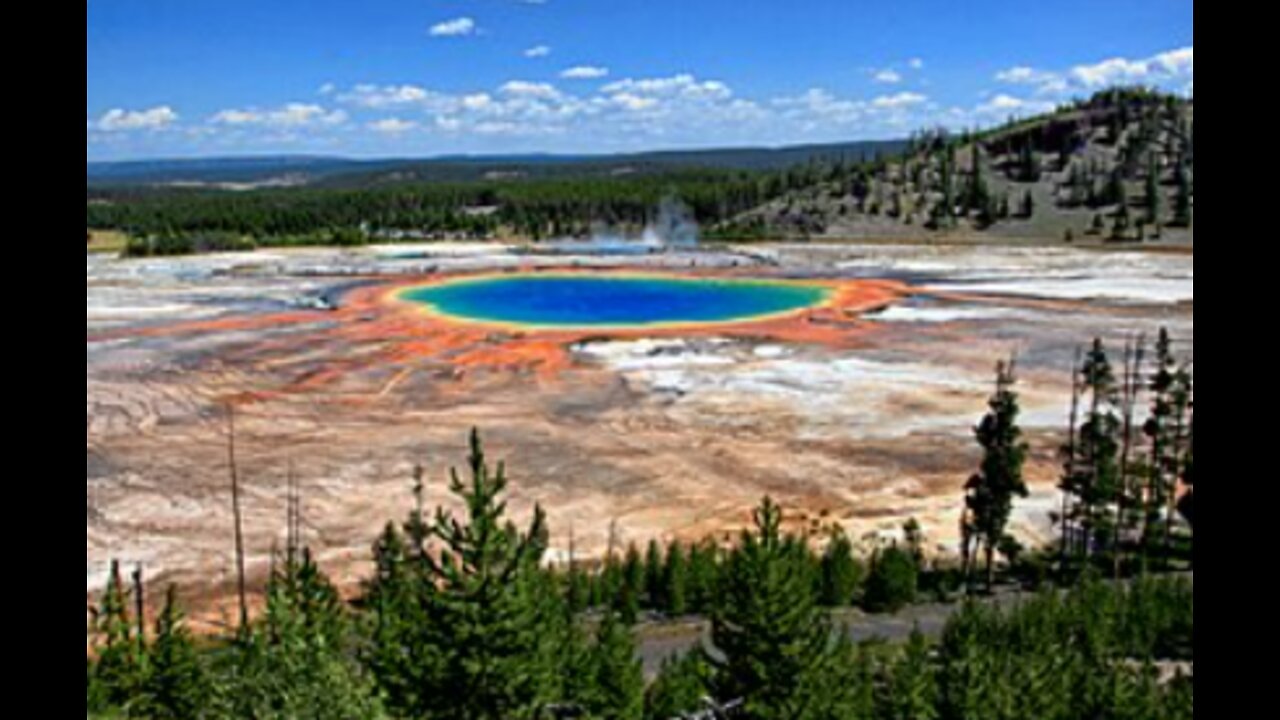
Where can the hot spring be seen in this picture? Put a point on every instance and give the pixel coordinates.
(567, 300)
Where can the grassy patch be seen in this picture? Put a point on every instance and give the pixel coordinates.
(107, 241)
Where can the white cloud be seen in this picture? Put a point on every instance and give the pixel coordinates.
(392, 126)
(1171, 69)
(119, 119)
(529, 89)
(1003, 106)
(327, 88)
(584, 72)
(1023, 75)
(900, 100)
(915, 63)
(1174, 64)
(537, 51)
(633, 102)
(373, 96)
(286, 116)
(887, 76)
(682, 85)
(453, 28)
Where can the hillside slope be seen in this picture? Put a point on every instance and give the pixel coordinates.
(1115, 167)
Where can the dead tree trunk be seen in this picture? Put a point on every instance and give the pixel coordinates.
(1069, 466)
(139, 605)
(235, 512)
(1129, 396)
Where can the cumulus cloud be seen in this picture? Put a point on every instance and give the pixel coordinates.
(537, 51)
(1003, 106)
(529, 89)
(392, 126)
(1164, 66)
(682, 85)
(375, 96)
(584, 72)
(1172, 69)
(899, 100)
(453, 28)
(290, 115)
(915, 63)
(119, 119)
(887, 76)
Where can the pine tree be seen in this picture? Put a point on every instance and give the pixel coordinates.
(296, 661)
(1120, 221)
(675, 581)
(844, 687)
(702, 576)
(1186, 505)
(769, 632)
(395, 656)
(626, 601)
(990, 492)
(1162, 429)
(653, 574)
(618, 683)
(1095, 472)
(488, 606)
(1182, 200)
(1152, 191)
(891, 583)
(177, 686)
(910, 691)
(681, 685)
(120, 670)
(979, 198)
(840, 572)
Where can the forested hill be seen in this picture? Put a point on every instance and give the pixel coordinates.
(1118, 166)
(242, 173)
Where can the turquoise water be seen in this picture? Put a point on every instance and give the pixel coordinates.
(595, 300)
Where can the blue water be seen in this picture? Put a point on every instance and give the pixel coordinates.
(586, 301)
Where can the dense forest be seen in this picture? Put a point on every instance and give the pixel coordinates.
(462, 619)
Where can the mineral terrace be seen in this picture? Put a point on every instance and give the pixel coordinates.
(859, 414)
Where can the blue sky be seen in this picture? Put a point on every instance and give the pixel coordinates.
(430, 77)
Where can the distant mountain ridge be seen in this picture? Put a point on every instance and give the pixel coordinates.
(244, 172)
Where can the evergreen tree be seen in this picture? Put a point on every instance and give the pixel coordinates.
(397, 655)
(177, 686)
(617, 682)
(491, 615)
(297, 659)
(1093, 476)
(840, 572)
(675, 581)
(1152, 192)
(1121, 220)
(892, 581)
(910, 688)
(990, 492)
(626, 601)
(653, 574)
(769, 632)
(1182, 200)
(844, 686)
(120, 671)
(681, 685)
(702, 576)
